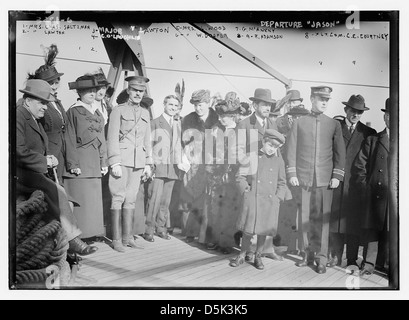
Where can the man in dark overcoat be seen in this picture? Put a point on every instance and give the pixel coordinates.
(315, 164)
(370, 173)
(345, 226)
(33, 160)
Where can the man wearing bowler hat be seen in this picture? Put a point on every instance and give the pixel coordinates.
(33, 160)
(130, 160)
(370, 174)
(345, 226)
(315, 166)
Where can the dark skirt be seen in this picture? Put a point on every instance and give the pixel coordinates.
(88, 193)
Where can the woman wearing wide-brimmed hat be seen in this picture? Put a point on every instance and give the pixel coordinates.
(88, 125)
(61, 142)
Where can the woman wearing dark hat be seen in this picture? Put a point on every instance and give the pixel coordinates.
(225, 197)
(55, 122)
(88, 125)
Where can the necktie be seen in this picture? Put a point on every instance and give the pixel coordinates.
(351, 129)
(171, 122)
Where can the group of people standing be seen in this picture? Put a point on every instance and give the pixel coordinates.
(251, 168)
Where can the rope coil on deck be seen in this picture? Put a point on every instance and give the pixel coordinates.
(40, 243)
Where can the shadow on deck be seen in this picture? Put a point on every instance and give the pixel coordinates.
(174, 264)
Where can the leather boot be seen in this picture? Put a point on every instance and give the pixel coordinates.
(116, 230)
(258, 263)
(127, 223)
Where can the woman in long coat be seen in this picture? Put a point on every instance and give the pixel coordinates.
(85, 187)
(193, 194)
(61, 142)
(262, 184)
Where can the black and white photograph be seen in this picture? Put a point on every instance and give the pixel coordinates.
(204, 150)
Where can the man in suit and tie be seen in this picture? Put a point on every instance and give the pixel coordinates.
(315, 166)
(166, 155)
(345, 226)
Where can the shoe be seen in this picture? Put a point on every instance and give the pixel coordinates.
(367, 269)
(78, 246)
(258, 263)
(163, 235)
(225, 250)
(307, 259)
(170, 231)
(118, 246)
(237, 237)
(274, 256)
(131, 243)
(189, 239)
(237, 261)
(211, 246)
(352, 263)
(294, 252)
(333, 262)
(148, 237)
(382, 269)
(249, 256)
(321, 269)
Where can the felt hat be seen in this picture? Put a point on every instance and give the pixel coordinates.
(295, 95)
(84, 82)
(224, 108)
(386, 106)
(102, 80)
(39, 89)
(200, 96)
(262, 95)
(356, 102)
(298, 111)
(48, 74)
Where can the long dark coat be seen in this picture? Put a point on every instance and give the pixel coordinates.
(31, 151)
(370, 173)
(344, 215)
(267, 187)
(61, 139)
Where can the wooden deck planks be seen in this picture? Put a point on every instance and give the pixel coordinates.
(170, 264)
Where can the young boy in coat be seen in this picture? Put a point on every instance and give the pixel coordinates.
(262, 184)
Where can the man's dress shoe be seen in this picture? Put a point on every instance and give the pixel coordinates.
(148, 237)
(163, 235)
(78, 246)
(321, 269)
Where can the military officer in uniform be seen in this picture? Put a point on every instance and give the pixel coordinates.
(129, 158)
(315, 164)
(345, 226)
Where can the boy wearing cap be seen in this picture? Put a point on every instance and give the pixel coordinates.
(33, 161)
(262, 185)
(345, 225)
(130, 160)
(370, 175)
(315, 165)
